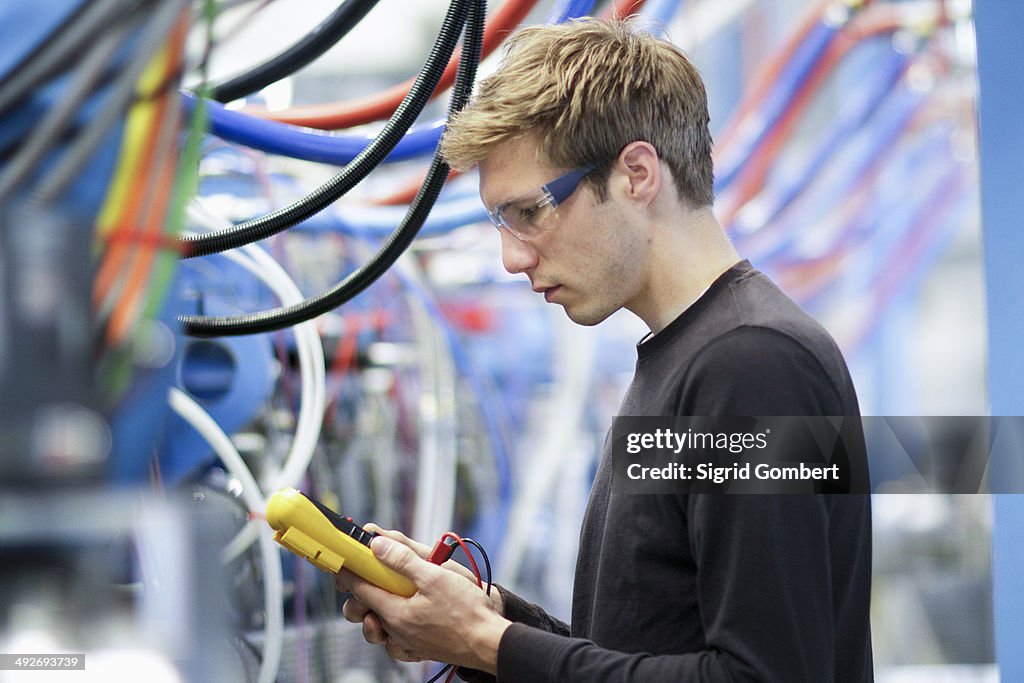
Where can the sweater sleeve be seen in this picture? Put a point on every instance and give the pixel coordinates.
(765, 605)
(518, 611)
(522, 612)
(763, 561)
(760, 625)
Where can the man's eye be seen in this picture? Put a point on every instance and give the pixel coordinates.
(527, 214)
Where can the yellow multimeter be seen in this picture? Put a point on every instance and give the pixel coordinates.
(329, 541)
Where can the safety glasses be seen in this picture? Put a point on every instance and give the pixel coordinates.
(525, 216)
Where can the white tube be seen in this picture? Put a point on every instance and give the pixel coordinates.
(273, 583)
(543, 464)
(313, 398)
(436, 465)
(313, 372)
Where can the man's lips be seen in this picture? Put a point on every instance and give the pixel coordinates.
(548, 292)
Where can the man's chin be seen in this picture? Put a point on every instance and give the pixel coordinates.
(586, 318)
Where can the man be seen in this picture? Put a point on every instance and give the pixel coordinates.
(594, 155)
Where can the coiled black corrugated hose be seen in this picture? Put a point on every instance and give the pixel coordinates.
(318, 41)
(266, 321)
(356, 170)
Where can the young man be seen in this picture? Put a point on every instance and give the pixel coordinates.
(594, 155)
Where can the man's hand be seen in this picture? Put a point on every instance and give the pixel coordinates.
(447, 620)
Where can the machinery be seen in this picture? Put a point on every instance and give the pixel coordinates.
(217, 283)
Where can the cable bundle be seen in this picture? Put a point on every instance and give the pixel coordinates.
(105, 149)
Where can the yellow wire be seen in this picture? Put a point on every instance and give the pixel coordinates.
(137, 129)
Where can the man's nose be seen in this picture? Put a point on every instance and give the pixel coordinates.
(517, 256)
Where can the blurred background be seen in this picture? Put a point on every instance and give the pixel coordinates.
(146, 412)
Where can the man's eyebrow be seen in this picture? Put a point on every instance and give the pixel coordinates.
(518, 197)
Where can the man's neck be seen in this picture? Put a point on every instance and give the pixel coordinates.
(686, 258)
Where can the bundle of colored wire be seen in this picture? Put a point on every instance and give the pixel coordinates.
(338, 115)
(843, 177)
(750, 178)
(781, 189)
(766, 78)
(758, 117)
(137, 222)
(278, 138)
(121, 60)
(506, 18)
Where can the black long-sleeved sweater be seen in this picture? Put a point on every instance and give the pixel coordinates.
(714, 587)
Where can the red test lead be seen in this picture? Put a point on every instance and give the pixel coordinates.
(443, 550)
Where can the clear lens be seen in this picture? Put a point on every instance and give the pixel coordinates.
(524, 217)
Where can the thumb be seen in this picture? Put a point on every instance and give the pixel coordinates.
(399, 557)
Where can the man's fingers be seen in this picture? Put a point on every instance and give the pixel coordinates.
(401, 654)
(373, 630)
(354, 611)
(421, 549)
(343, 580)
(452, 565)
(364, 599)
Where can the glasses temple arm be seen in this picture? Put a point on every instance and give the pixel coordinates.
(560, 188)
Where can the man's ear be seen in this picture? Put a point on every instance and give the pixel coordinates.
(642, 171)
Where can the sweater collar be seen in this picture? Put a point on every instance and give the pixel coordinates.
(651, 343)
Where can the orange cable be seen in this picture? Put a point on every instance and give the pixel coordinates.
(140, 231)
(124, 313)
(408, 193)
(120, 239)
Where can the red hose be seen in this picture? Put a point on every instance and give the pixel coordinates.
(872, 22)
(338, 115)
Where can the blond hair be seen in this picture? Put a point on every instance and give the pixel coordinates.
(587, 88)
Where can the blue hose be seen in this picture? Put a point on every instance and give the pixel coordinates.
(564, 10)
(858, 108)
(302, 143)
(782, 91)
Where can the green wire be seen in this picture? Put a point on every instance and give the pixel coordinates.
(118, 368)
(186, 184)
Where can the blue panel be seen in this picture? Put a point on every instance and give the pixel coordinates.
(1000, 33)
(1000, 29)
(1008, 592)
